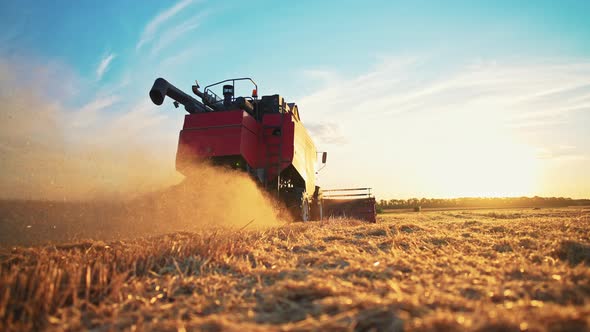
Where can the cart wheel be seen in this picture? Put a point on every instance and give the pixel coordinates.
(304, 210)
(316, 210)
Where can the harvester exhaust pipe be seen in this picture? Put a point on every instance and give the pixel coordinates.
(162, 88)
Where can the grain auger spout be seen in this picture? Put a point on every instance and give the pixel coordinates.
(163, 88)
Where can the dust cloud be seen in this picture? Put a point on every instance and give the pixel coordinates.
(211, 198)
(213, 195)
(44, 156)
(54, 187)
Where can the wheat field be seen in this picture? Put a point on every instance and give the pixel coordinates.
(484, 270)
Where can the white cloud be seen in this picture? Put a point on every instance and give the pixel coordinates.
(561, 153)
(111, 123)
(325, 132)
(151, 28)
(104, 64)
(471, 129)
(51, 151)
(143, 117)
(90, 112)
(168, 36)
(532, 91)
(321, 75)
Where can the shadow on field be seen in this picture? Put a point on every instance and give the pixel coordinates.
(574, 252)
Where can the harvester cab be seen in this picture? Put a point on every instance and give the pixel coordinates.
(261, 136)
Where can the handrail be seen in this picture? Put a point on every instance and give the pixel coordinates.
(347, 195)
(347, 189)
(233, 80)
(346, 192)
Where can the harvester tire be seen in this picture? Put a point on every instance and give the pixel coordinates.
(317, 210)
(305, 215)
(297, 204)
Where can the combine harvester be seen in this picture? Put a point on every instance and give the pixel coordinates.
(265, 138)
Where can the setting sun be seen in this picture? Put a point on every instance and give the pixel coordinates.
(476, 159)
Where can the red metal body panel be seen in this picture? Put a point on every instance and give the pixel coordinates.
(268, 153)
(217, 134)
(234, 133)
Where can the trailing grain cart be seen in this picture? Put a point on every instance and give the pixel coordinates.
(263, 137)
(357, 203)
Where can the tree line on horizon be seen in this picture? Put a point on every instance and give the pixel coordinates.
(480, 202)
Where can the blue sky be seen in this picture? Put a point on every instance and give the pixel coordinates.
(371, 78)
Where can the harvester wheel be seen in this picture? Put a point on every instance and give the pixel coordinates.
(317, 211)
(304, 210)
(297, 203)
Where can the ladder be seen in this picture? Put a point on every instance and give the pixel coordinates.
(274, 150)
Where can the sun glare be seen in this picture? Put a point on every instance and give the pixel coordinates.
(491, 171)
(477, 158)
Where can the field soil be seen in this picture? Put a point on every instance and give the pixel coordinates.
(478, 270)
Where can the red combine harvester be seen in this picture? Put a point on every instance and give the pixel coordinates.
(263, 137)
